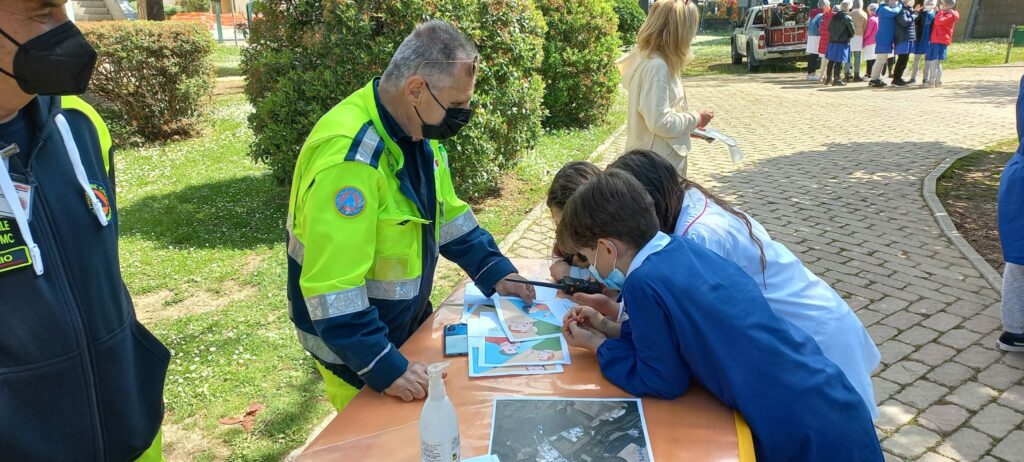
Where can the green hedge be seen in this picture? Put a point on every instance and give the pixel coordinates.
(153, 79)
(580, 49)
(631, 17)
(306, 56)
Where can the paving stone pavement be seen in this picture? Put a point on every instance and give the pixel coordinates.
(836, 174)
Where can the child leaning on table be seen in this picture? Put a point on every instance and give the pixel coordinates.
(568, 179)
(712, 326)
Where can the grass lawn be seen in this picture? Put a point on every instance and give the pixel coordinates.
(202, 251)
(969, 190)
(227, 59)
(712, 57)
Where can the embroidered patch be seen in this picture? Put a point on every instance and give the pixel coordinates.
(101, 195)
(350, 202)
(437, 164)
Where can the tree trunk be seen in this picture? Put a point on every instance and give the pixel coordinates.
(152, 10)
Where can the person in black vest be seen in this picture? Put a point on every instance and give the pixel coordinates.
(840, 32)
(80, 378)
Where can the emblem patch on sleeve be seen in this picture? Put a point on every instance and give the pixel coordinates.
(350, 202)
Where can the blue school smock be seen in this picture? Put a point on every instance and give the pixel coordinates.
(791, 290)
(924, 39)
(1011, 195)
(886, 28)
(936, 52)
(714, 327)
(838, 52)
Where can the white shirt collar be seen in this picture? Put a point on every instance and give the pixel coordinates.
(658, 242)
(694, 206)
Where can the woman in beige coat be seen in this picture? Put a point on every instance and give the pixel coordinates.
(658, 117)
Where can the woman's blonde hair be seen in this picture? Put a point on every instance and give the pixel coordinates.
(668, 31)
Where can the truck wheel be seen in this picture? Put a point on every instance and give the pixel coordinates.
(752, 64)
(737, 58)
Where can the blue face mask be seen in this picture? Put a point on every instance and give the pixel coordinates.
(616, 279)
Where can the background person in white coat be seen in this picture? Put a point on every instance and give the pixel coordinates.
(686, 209)
(658, 117)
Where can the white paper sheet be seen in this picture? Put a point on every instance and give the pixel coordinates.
(710, 134)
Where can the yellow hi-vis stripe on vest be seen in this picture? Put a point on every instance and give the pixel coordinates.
(77, 104)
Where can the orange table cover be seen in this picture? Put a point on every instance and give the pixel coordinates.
(374, 427)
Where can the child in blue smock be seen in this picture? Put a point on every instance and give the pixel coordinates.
(924, 40)
(884, 39)
(711, 326)
(1011, 235)
(686, 209)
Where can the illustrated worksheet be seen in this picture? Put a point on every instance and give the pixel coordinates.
(522, 321)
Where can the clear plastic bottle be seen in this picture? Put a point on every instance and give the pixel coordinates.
(439, 426)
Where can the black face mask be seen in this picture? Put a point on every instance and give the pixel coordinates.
(454, 119)
(57, 62)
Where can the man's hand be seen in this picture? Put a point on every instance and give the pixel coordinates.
(705, 118)
(514, 289)
(412, 384)
(603, 303)
(582, 337)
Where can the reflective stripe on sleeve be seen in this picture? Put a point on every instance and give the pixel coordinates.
(458, 226)
(404, 289)
(337, 303)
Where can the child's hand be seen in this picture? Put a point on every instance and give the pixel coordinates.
(585, 316)
(583, 337)
(603, 303)
(559, 270)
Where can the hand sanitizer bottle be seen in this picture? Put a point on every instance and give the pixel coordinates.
(439, 427)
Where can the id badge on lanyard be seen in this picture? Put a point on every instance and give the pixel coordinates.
(15, 252)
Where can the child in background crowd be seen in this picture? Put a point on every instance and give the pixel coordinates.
(826, 17)
(813, 40)
(884, 39)
(860, 23)
(924, 41)
(697, 317)
(1011, 228)
(904, 39)
(942, 37)
(869, 38)
(841, 31)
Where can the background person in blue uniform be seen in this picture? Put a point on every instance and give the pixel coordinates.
(904, 38)
(80, 378)
(1011, 235)
(712, 326)
(884, 39)
(923, 29)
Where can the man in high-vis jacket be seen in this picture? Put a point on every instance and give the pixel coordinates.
(372, 207)
(80, 378)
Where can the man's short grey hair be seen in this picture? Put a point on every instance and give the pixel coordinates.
(431, 51)
(823, 4)
(845, 5)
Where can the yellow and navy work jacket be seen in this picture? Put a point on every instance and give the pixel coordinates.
(80, 378)
(366, 223)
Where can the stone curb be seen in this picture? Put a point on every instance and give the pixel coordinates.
(949, 229)
(537, 210)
